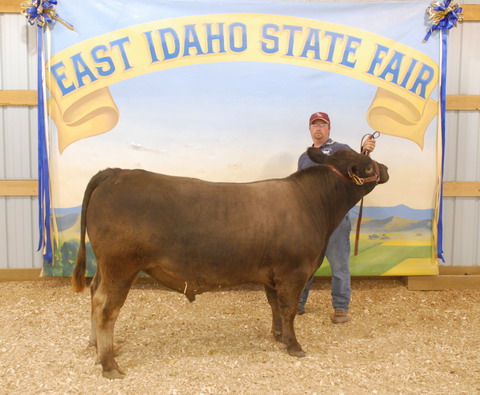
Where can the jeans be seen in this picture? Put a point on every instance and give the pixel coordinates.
(338, 255)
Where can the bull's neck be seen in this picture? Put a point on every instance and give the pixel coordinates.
(327, 196)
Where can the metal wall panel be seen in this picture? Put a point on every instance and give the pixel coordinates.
(18, 146)
(18, 215)
(462, 214)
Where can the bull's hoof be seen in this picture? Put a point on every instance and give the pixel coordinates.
(114, 374)
(296, 351)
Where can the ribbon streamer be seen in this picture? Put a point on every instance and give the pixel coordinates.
(443, 16)
(42, 13)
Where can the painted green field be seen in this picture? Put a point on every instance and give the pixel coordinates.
(65, 258)
(375, 257)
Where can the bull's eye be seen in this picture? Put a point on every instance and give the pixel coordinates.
(370, 169)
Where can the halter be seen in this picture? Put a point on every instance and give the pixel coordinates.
(356, 179)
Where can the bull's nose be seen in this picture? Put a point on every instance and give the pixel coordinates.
(384, 176)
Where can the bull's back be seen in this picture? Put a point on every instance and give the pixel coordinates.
(194, 228)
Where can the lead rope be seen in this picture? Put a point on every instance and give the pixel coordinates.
(360, 213)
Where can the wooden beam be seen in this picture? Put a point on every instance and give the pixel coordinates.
(414, 283)
(10, 6)
(20, 274)
(29, 98)
(442, 282)
(458, 270)
(18, 188)
(471, 12)
(461, 189)
(18, 98)
(30, 188)
(463, 102)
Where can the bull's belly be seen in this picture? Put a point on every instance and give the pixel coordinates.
(191, 282)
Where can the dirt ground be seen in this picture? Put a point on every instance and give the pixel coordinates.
(397, 342)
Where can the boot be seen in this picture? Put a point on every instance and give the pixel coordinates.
(339, 316)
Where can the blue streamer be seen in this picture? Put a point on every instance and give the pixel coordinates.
(43, 174)
(444, 17)
(41, 13)
(443, 108)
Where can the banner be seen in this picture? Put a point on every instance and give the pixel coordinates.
(223, 92)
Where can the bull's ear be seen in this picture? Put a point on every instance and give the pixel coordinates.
(316, 155)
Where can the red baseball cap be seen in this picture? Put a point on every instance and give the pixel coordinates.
(319, 115)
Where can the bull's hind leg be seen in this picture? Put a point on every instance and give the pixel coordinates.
(107, 301)
(276, 318)
(288, 294)
(93, 330)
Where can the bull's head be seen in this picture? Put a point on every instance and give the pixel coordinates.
(352, 166)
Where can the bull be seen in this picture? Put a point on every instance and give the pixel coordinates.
(194, 236)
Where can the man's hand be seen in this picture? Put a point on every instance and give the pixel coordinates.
(369, 145)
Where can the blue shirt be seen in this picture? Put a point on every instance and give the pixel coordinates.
(328, 148)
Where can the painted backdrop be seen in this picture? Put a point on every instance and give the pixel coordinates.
(222, 91)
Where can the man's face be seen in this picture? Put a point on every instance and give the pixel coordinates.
(320, 132)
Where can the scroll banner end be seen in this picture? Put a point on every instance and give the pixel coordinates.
(90, 116)
(393, 115)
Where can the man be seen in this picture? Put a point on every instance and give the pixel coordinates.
(338, 248)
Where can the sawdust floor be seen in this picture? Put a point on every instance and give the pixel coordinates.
(397, 342)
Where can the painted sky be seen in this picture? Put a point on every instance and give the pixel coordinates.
(242, 121)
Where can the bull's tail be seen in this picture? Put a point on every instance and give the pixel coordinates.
(78, 276)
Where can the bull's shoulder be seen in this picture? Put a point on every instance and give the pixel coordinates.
(305, 175)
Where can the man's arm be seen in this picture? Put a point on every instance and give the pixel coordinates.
(304, 161)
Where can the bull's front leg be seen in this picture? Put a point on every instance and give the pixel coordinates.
(276, 318)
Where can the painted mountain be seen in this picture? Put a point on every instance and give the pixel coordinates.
(401, 211)
(393, 219)
(397, 218)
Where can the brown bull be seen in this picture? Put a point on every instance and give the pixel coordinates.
(194, 236)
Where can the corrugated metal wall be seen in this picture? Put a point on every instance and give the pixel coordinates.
(18, 146)
(462, 214)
